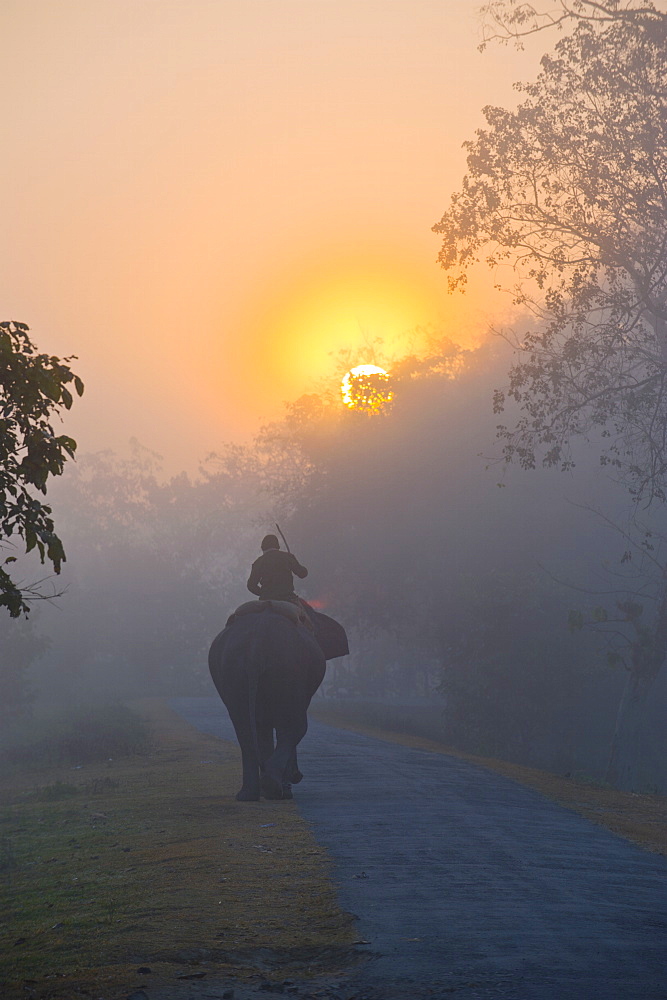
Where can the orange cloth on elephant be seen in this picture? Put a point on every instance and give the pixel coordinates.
(271, 576)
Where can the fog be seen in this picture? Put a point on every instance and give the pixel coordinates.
(454, 574)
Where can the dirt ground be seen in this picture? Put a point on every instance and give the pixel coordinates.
(145, 870)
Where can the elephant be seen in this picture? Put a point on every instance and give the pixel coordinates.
(266, 667)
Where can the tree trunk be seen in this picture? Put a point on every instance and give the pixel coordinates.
(648, 660)
(622, 770)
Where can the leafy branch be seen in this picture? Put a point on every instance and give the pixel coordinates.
(34, 389)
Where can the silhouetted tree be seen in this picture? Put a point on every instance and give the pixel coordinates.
(634, 625)
(569, 193)
(512, 20)
(33, 390)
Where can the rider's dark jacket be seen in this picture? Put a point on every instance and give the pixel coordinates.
(271, 575)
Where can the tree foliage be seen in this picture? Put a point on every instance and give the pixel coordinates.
(34, 388)
(568, 193)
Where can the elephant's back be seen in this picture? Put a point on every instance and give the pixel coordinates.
(268, 636)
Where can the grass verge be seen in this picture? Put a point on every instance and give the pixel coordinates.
(641, 819)
(147, 861)
(78, 735)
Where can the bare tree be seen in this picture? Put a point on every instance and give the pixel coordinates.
(513, 20)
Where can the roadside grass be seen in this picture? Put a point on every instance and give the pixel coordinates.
(80, 735)
(147, 861)
(641, 819)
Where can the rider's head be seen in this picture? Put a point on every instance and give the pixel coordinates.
(270, 542)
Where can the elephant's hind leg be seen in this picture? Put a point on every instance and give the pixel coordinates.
(293, 774)
(278, 774)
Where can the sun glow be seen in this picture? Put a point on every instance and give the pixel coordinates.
(309, 319)
(352, 301)
(366, 387)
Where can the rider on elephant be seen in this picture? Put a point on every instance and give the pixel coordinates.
(271, 576)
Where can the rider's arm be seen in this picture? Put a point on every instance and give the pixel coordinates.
(297, 568)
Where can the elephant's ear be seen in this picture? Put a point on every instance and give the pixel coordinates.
(329, 633)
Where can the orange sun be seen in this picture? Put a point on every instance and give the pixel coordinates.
(366, 387)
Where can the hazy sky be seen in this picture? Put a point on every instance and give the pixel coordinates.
(203, 199)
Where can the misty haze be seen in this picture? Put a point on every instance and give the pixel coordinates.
(249, 456)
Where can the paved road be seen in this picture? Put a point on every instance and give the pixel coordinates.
(468, 884)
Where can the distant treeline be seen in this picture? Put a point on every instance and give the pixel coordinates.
(464, 585)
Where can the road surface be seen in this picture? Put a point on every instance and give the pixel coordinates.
(467, 884)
